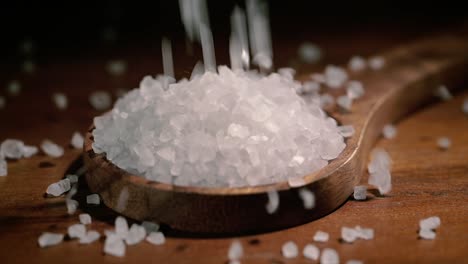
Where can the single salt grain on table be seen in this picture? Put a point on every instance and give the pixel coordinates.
(354, 89)
(357, 63)
(50, 239)
(85, 219)
(150, 227)
(14, 88)
(76, 231)
(116, 67)
(58, 188)
(364, 233)
(29, 67)
(135, 235)
(307, 197)
(156, 238)
(335, 77)
(2, 102)
(60, 100)
(114, 246)
(354, 261)
(236, 250)
(121, 226)
(12, 148)
(379, 170)
(273, 202)
(344, 102)
(100, 100)
(444, 143)
(73, 178)
(376, 62)
(309, 53)
(90, 237)
(329, 256)
(289, 250)
(443, 93)
(348, 235)
(93, 199)
(77, 140)
(311, 252)
(432, 222)
(51, 149)
(346, 131)
(29, 151)
(3, 167)
(321, 236)
(389, 131)
(360, 192)
(427, 234)
(464, 106)
(72, 205)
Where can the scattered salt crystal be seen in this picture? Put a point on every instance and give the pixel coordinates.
(427, 234)
(77, 140)
(464, 106)
(121, 226)
(100, 100)
(354, 261)
(2, 102)
(72, 205)
(321, 236)
(60, 100)
(389, 131)
(12, 148)
(289, 250)
(443, 93)
(29, 151)
(311, 252)
(296, 181)
(120, 92)
(29, 67)
(135, 235)
(344, 102)
(357, 63)
(318, 77)
(346, 130)
(198, 70)
(235, 250)
(364, 233)
(360, 192)
(73, 178)
(310, 87)
(376, 62)
(50, 239)
(307, 197)
(156, 238)
(58, 188)
(329, 256)
(273, 201)
(116, 67)
(348, 235)
(444, 143)
(3, 167)
(354, 89)
(14, 88)
(90, 237)
(309, 52)
(76, 231)
(122, 200)
(236, 130)
(335, 76)
(93, 199)
(287, 72)
(432, 222)
(326, 100)
(85, 219)
(379, 171)
(51, 149)
(209, 58)
(114, 246)
(234, 262)
(150, 227)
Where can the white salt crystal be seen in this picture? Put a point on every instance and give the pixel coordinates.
(432, 222)
(273, 201)
(427, 234)
(360, 192)
(318, 77)
(85, 219)
(234, 262)
(150, 227)
(198, 70)
(311, 252)
(60, 100)
(114, 246)
(444, 143)
(354, 89)
(335, 76)
(209, 58)
(3, 167)
(73, 178)
(58, 188)
(310, 87)
(14, 88)
(464, 106)
(135, 235)
(100, 100)
(346, 130)
(443, 93)
(329, 256)
(121, 226)
(239, 34)
(364, 233)
(389, 131)
(168, 64)
(2, 102)
(321, 236)
(90, 237)
(376, 62)
(236, 130)
(77, 140)
(50, 239)
(307, 197)
(348, 235)
(354, 261)
(29, 67)
(12, 148)
(309, 52)
(72, 205)
(287, 72)
(156, 238)
(289, 250)
(326, 100)
(357, 63)
(379, 171)
(296, 181)
(122, 200)
(93, 199)
(235, 250)
(116, 67)
(29, 151)
(344, 102)
(51, 149)
(76, 231)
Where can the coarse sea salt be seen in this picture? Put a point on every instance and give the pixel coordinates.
(444, 143)
(3, 167)
(348, 235)
(321, 236)
(335, 77)
(72, 205)
(90, 237)
(100, 100)
(464, 106)
(354, 261)
(432, 222)
(273, 201)
(309, 52)
(93, 199)
(77, 140)
(51, 149)
(389, 131)
(346, 130)
(85, 219)
(219, 129)
(150, 227)
(115, 246)
(60, 100)
(379, 170)
(427, 234)
(135, 235)
(48, 239)
(116, 67)
(354, 89)
(329, 256)
(376, 62)
(236, 250)
(357, 63)
(58, 188)
(156, 238)
(360, 192)
(311, 252)
(443, 93)
(289, 250)
(12, 148)
(76, 231)
(307, 197)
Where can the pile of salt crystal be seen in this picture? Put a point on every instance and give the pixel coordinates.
(379, 170)
(60, 100)
(51, 149)
(289, 250)
(389, 131)
(227, 129)
(427, 227)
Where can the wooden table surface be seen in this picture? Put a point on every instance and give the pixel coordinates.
(426, 180)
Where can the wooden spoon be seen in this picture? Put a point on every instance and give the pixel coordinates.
(409, 78)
